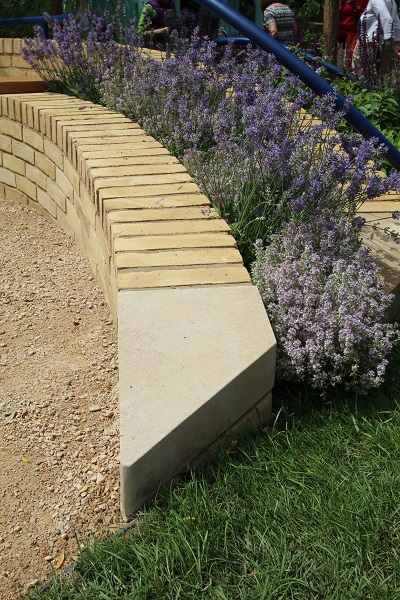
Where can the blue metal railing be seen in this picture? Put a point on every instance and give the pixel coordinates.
(316, 83)
(308, 57)
(39, 20)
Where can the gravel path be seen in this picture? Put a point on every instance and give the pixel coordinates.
(59, 464)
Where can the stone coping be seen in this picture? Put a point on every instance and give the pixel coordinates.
(196, 349)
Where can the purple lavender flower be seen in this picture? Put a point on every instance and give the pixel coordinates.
(359, 222)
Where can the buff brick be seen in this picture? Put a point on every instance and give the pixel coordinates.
(45, 165)
(64, 184)
(168, 228)
(156, 167)
(81, 123)
(177, 258)
(71, 175)
(100, 234)
(156, 278)
(33, 204)
(100, 251)
(11, 108)
(14, 164)
(87, 203)
(88, 251)
(81, 213)
(4, 105)
(5, 62)
(5, 143)
(17, 45)
(33, 139)
(27, 187)
(144, 191)
(19, 63)
(24, 113)
(27, 116)
(56, 194)
(7, 177)
(36, 175)
(158, 215)
(14, 194)
(64, 223)
(12, 129)
(17, 109)
(31, 116)
(54, 153)
(48, 204)
(74, 221)
(141, 180)
(23, 151)
(167, 201)
(8, 46)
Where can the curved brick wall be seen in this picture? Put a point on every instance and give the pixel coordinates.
(130, 205)
(196, 350)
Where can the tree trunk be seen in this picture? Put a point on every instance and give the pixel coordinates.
(331, 26)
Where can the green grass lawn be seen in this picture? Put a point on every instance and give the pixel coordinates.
(307, 508)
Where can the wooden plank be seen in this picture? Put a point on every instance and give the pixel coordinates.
(22, 85)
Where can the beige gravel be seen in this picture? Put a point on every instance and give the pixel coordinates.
(59, 465)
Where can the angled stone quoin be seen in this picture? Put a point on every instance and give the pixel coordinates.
(196, 350)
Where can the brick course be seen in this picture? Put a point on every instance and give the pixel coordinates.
(117, 191)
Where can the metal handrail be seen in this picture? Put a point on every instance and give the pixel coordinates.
(289, 60)
(41, 19)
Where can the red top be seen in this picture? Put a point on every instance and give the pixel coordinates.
(350, 12)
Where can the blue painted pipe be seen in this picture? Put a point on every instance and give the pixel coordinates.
(31, 20)
(316, 83)
(28, 20)
(332, 68)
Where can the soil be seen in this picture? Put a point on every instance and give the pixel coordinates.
(59, 444)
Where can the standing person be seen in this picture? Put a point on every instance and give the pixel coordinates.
(380, 24)
(279, 21)
(350, 12)
(153, 21)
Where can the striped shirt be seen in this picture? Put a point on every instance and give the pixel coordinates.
(284, 19)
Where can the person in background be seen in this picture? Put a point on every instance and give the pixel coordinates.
(279, 21)
(153, 20)
(350, 12)
(380, 23)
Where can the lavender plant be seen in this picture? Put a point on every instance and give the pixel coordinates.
(78, 55)
(270, 171)
(326, 303)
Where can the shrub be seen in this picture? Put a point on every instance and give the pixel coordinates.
(78, 56)
(270, 172)
(326, 303)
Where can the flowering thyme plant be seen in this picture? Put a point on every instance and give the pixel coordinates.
(326, 304)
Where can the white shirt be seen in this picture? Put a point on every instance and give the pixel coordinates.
(389, 20)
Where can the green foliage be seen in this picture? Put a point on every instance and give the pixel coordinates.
(381, 106)
(378, 106)
(305, 509)
(311, 10)
(21, 8)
